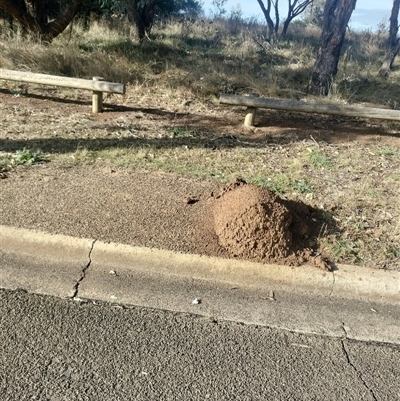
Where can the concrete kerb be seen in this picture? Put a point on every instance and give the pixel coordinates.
(42, 263)
(51, 246)
(236, 272)
(350, 282)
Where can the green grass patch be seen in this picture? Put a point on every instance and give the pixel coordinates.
(282, 184)
(388, 151)
(344, 249)
(25, 157)
(182, 132)
(393, 250)
(318, 158)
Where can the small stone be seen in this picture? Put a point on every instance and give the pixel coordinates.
(196, 301)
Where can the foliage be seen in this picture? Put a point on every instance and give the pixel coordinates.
(314, 15)
(45, 20)
(142, 13)
(218, 8)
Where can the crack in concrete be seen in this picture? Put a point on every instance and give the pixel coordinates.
(83, 273)
(347, 355)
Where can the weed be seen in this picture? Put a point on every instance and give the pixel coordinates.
(343, 249)
(318, 158)
(5, 162)
(395, 251)
(279, 184)
(302, 186)
(27, 157)
(20, 157)
(180, 132)
(388, 151)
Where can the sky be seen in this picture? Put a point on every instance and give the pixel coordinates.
(368, 14)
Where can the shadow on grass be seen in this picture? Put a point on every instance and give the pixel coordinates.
(372, 90)
(201, 136)
(62, 145)
(109, 108)
(205, 131)
(297, 127)
(143, 52)
(187, 55)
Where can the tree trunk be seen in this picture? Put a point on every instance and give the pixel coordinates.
(337, 14)
(267, 15)
(294, 10)
(142, 16)
(37, 16)
(393, 45)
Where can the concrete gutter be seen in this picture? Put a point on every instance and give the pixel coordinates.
(303, 299)
(347, 282)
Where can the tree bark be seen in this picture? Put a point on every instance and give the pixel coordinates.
(34, 16)
(337, 14)
(393, 43)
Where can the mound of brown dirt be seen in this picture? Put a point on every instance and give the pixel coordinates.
(252, 223)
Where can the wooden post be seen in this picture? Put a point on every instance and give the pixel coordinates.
(97, 98)
(251, 113)
(250, 117)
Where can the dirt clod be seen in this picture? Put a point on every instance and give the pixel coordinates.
(252, 223)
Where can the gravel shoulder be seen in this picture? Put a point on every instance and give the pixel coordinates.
(134, 207)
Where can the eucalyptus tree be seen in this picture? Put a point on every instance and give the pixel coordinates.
(271, 12)
(142, 13)
(337, 14)
(43, 19)
(393, 42)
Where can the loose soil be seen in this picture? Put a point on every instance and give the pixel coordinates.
(252, 223)
(179, 212)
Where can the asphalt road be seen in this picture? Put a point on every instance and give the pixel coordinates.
(58, 349)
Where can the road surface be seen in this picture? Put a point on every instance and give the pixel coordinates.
(60, 349)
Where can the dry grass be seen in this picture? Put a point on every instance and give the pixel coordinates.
(172, 120)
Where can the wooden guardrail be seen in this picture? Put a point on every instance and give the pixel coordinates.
(97, 85)
(253, 103)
